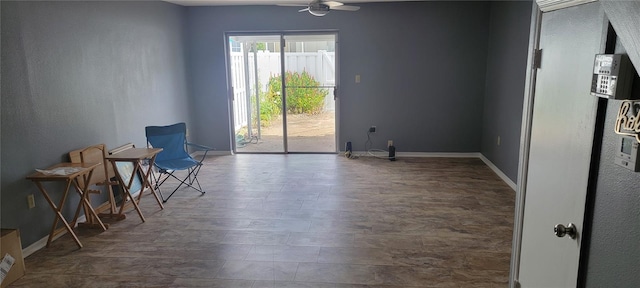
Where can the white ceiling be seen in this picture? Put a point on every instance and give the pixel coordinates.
(262, 2)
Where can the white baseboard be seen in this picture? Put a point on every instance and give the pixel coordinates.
(439, 154)
(499, 172)
(38, 245)
(484, 159)
(416, 154)
(33, 248)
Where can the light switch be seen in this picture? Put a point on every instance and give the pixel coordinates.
(357, 78)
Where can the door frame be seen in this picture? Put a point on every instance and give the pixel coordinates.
(525, 142)
(281, 34)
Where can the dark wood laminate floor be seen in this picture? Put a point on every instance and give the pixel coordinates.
(303, 221)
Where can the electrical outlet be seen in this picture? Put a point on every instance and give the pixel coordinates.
(498, 141)
(31, 201)
(372, 129)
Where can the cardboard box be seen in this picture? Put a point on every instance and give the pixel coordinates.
(10, 244)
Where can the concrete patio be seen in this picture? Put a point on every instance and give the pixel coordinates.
(306, 133)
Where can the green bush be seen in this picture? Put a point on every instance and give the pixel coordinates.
(270, 106)
(305, 97)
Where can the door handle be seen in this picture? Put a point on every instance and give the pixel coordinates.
(561, 230)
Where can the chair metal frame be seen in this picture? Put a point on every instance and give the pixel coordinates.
(167, 166)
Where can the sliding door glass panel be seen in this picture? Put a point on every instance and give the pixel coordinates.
(257, 93)
(310, 81)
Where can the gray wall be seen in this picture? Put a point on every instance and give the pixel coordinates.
(614, 252)
(81, 73)
(504, 91)
(422, 64)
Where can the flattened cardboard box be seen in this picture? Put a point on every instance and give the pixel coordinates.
(10, 244)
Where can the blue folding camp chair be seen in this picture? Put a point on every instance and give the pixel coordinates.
(174, 156)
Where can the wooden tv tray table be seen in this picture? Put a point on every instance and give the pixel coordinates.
(73, 173)
(135, 156)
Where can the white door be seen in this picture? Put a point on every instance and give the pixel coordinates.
(562, 130)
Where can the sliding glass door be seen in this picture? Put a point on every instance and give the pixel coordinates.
(283, 88)
(310, 84)
(255, 68)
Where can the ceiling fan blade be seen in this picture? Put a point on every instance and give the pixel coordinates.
(346, 8)
(304, 10)
(293, 5)
(332, 3)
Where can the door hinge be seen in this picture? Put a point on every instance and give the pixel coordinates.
(233, 94)
(335, 93)
(537, 58)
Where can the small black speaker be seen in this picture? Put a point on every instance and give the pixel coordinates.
(392, 153)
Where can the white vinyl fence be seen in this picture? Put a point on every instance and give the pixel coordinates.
(320, 65)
